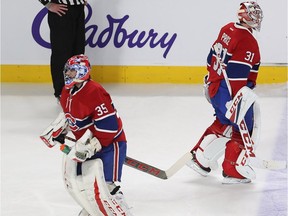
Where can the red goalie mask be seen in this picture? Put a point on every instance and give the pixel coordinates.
(80, 64)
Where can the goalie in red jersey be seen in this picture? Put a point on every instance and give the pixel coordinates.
(232, 65)
(92, 168)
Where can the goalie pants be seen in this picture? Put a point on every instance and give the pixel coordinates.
(67, 38)
(219, 102)
(113, 158)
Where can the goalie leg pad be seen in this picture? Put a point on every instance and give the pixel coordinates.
(242, 166)
(97, 191)
(257, 124)
(211, 145)
(216, 128)
(232, 167)
(238, 107)
(74, 185)
(210, 150)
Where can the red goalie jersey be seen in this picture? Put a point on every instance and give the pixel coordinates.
(91, 107)
(238, 51)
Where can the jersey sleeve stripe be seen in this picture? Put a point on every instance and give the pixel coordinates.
(240, 63)
(82, 123)
(108, 124)
(254, 71)
(237, 71)
(237, 79)
(255, 68)
(227, 58)
(105, 116)
(209, 57)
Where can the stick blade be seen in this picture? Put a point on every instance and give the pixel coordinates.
(179, 164)
(268, 164)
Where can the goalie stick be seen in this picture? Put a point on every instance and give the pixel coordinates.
(154, 171)
(144, 167)
(165, 174)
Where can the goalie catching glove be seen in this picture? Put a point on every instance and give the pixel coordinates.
(85, 147)
(56, 131)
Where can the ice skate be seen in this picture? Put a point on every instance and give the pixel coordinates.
(119, 197)
(83, 212)
(232, 180)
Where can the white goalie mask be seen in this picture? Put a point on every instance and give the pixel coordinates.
(251, 14)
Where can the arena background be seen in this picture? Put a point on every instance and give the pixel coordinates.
(176, 37)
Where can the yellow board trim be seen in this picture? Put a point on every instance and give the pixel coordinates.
(135, 74)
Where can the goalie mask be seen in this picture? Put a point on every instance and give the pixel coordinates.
(251, 14)
(81, 65)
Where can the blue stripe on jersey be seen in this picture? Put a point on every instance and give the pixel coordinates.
(255, 68)
(237, 71)
(107, 124)
(227, 58)
(209, 57)
(82, 123)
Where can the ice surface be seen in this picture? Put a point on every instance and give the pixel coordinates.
(162, 122)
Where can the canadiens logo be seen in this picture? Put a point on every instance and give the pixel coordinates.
(72, 122)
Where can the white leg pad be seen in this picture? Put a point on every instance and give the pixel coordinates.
(97, 191)
(74, 185)
(257, 124)
(210, 150)
(242, 101)
(243, 167)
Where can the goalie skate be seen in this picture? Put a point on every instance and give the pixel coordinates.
(231, 180)
(119, 197)
(83, 213)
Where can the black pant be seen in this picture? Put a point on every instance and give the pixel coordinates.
(67, 37)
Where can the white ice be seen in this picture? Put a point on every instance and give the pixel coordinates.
(162, 122)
